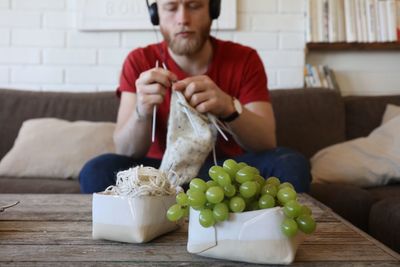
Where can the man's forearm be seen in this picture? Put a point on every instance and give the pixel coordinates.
(253, 132)
(134, 137)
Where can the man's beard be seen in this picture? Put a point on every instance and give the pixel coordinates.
(190, 46)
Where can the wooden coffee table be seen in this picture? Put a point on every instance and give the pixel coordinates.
(56, 230)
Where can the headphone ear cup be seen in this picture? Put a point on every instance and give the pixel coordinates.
(215, 9)
(155, 20)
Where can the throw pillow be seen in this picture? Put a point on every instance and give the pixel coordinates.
(54, 148)
(391, 112)
(365, 162)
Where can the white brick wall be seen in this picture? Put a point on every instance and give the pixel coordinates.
(4, 3)
(4, 75)
(37, 74)
(40, 48)
(38, 4)
(4, 37)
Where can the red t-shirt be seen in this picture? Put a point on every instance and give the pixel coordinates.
(236, 69)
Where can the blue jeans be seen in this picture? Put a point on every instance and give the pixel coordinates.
(286, 164)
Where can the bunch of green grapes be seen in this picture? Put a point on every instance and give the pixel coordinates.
(238, 187)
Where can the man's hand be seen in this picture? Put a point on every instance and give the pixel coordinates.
(151, 87)
(205, 96)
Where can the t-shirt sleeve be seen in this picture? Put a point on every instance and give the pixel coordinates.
(129, 74)
(254, 85)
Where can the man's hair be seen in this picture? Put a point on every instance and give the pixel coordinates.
(215, 10)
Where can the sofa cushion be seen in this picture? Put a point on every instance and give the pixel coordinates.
(308, 120)
(391, 112)
(367, 161)
(17, 106)
(364, 113)
(54, 148)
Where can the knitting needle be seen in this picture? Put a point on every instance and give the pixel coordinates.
(153, 130)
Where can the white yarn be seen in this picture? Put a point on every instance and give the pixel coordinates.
(145, 181)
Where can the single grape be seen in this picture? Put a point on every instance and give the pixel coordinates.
(206, 218)
(214, 171)
(182, 199)
(306, 223)
(269, 189)
(255, 170)
(211, 183)
(229, 190)
(197, 198)
(245, 174)
(292, 209)
(220, 212)
(231, 167)
(259, 179)
(224, 179)
(248, 189)
(273, 180)
(215, 194)
(242, 164)
(305, 210)
(237, 204)
(175, 212)
(266, 201)
(190, 192)
(289, 227)
(286, 194)
(286, 184)
(198, 184)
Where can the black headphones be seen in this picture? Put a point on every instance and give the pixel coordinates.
(215, 10)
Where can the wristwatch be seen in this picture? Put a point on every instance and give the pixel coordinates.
(238, 110)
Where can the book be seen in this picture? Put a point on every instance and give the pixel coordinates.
(383, 26)
(371, 20)
(363, 22)
(391, 20)
(332, 21)
(314, 20)
(341, 21)
(377, 23)
(349, 18)
(320, 76)
(359, 30)
(398, 19)
(323, 76)
(320, 25)
(325, 20)
(316, 76)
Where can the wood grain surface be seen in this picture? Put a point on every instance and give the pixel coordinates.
(56, 230)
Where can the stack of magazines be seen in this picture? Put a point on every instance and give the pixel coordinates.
(363, 21)
(320, 76)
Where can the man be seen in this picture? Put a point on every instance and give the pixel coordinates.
(222, 78)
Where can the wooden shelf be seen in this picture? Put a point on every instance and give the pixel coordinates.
(353, 46)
